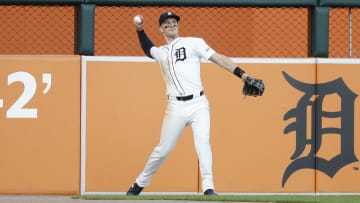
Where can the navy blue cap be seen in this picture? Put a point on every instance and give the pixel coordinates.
(167, 15)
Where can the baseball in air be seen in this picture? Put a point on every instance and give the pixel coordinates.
(137, 19)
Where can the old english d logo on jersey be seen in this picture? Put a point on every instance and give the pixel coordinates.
(180, 54)
(313, 98)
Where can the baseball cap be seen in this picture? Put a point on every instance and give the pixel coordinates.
(167, 15)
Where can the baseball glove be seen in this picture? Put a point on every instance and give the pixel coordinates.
(253, 87)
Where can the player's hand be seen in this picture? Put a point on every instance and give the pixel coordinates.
(139, 24)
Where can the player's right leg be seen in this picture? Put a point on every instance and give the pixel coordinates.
(173, 125)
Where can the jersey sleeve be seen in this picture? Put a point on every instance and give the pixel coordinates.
(155, 53)
(145, 42)
(203, 49)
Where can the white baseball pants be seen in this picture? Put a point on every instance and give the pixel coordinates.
(178, 115)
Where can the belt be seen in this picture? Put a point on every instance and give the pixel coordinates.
(188, 97)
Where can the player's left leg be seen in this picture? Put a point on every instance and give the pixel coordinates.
(200, 123)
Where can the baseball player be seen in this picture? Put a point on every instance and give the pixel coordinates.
(187, 103)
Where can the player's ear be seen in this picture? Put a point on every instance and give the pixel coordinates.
(161, 29)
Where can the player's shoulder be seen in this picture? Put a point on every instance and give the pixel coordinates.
(164, 47)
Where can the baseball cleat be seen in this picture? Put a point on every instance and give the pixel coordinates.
(210, 192)
(134, 190)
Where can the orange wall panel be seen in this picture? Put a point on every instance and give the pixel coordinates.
(40, 154)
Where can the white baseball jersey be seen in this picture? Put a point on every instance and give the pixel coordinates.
(180, 64)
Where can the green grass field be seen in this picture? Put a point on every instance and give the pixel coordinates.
(236, 198)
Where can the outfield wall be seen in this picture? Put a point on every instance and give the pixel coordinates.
(86, 125)
(40, 124)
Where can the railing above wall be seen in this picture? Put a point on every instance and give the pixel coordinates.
(260, 3)
(255, 3)
(47, 2)
(340, 3)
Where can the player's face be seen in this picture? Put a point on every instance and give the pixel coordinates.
(169, 27)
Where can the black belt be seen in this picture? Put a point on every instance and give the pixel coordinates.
(188, 97)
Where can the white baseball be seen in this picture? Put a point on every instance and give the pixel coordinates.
(137, 19)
